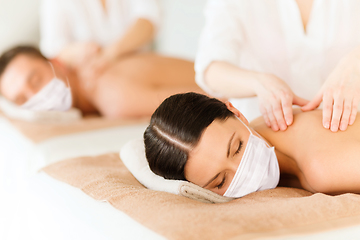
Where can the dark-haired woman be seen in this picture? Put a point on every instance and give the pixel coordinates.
(200, 139)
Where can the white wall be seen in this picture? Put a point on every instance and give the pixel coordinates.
(182, 24)
(178, 36)
(19, 23)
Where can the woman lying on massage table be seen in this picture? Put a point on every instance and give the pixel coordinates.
(202, 140)
(131, 87)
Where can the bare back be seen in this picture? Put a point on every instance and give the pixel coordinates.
(136, 85)
(318, 152)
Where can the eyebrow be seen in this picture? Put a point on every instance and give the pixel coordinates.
(229, 145)
(30, 75)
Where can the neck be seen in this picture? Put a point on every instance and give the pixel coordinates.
(287, 163)
(80, 99)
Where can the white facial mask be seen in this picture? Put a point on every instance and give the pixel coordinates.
(258, 169)
(54, 96)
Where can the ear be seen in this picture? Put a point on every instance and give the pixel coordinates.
(236, 112)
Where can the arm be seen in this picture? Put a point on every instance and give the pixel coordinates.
(144, 15)
(140, 33)
(218, 73)
(89, 57)
(235, 82)
(56, 36)
(275, 97)
(75, 55)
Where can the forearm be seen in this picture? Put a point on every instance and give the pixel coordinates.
(68, 55)
(232, 81)
(137, 36)
(354, 54)
(76, 54)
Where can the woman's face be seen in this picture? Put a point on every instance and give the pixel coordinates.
(212, 164)
(24, 77)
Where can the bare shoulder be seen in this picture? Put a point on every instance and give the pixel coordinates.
(327, 160)
(299, 118)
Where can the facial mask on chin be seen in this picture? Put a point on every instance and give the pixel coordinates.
(54, 96)
(258, 169)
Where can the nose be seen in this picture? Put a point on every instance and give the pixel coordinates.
(234, 165)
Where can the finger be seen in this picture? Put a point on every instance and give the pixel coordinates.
(265, 115)
(300, 101)
(273, 122)
(354, 111)
(286, 104)
(336, 113)
(277, 118)
(314, 103)
(327, 109)
(268, 116)
(345, 118)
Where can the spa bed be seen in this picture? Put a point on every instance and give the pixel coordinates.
(71, 199)
(54, 210)
(26, 147)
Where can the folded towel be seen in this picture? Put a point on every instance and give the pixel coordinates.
(133, 156)
(13, 111)
(270, 214)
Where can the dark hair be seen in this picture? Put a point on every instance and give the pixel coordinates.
(176, 127)
(10, 54)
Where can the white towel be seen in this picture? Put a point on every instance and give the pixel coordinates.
(133, 156)
(13, 111)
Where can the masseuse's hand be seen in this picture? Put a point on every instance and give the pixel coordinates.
(276, 100)
(98, 65)
(340, 95)
(86, 51)
(92, 70)
(77, 54)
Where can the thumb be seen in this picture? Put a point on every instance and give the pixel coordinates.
(299, 101)
(314, 103)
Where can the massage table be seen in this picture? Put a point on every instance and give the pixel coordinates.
(26, 147)
(56, 209)
(45, 204)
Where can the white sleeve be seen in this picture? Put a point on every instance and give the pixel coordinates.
(148, 9)
(55, 32)
(220, 40)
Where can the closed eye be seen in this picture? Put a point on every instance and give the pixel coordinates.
(239, 148)
(221, 184)
(20, 100)
(36, 82)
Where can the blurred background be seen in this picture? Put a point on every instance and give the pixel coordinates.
(182, 21)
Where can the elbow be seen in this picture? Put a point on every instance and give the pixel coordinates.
(210, 75)
(210, 79)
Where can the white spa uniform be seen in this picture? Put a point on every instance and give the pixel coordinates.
(66, 21)
(268, 36)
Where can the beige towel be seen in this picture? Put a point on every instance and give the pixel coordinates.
(133, 156)
(276, 212)
(39, 131)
